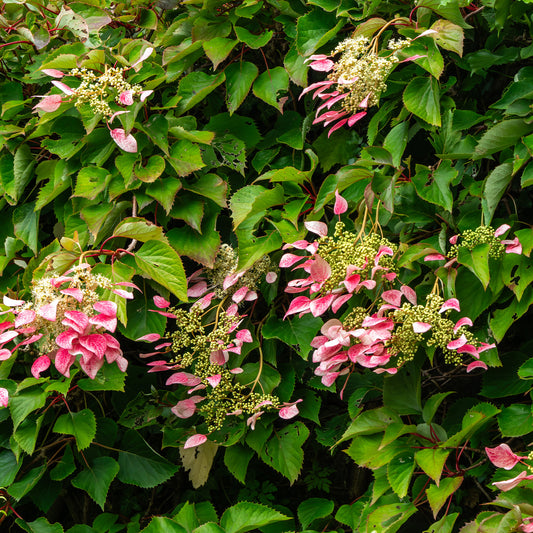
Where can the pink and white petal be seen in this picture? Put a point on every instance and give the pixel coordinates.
(322, 65)
(452, 303)
(319, 306)
(40, 364)
(116, 114)
(513, 247)
(298, 305)
(145, 94)
(314, 226)
(364, 102)
(66, 338)
(501, 230)
(5, 354)
(339, 302)
(391, 371)
(485, 346)
(184, 408)
(465, 321)
(125, 142)
(49, 311)
(512, 483)
(106, 307)
(392, 297)
(195, 440)
(421, 327)
(63, 361)
(219, 357)
(150, 337)
(232, 310)
(49, 103)
(163, 313)
(368, 284)
(318, 85)
(108, 322)
(434, 257)
(126, 97)
(457, 343)
(409, 294)
(214, 380)
(91, 366)
(271, 277)
(289, 412)
(244, 335)
(74, 292)
(231, 279)
(7, 336)
(4, 397)
(238, 296)
(160, 302)
(287, 260)
(123, 294)
(453, 239)
(341, 205)
(95, 343)
(356, 118)
(476, 364)
(197, 290)
(25, 317)
(63, 87)
(10, 302)
(54, 73)
(145, 55)
(183, 378)
(337, 126)
(319, 269)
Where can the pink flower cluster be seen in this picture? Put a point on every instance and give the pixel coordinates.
(63, 330)
(52, 102)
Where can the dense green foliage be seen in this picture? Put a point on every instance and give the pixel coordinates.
(142, 141)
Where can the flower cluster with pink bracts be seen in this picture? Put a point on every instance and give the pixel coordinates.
(207, 336)
(94, 90)
(385, 325)
(502, 456)
(66, 319)
(469, 239)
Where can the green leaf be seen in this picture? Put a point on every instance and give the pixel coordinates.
(162, 524)
(504, 318)
(164, 190)
(246, 516)
(390, 517)
(27, 432)
(236, 458)
(370, 422)
(251, 40)
(200, 247)
(283, 451)
(65, 467)
(109, 377)
(295, 66)
(157, 129)
(41, 525)
(477, 261)
(297, 333)
(251, 248)
(96, 479)
(422, 98)
(23, 164)
(314, 508)
(26, 225)
(25, 402)
(500, 136)
(210, 186)
(163, 264)
(239, 79)
(434, 186)
(402, 391)
(448, 10)
(140, 465)
(526, 180)
(444, 525)
(186, 157)
(269, 380)
(269, 83)
(515, 420)
(493, 188)
(28, 481)
(396, 141)
(399, 473)
(251, 200)
(151, 170)
(432, 404)
(218, 49)
(316, 29)
(140, 229)
(449, 36)
(8, 466)
(81, 424)
(91, 181)
(437, 495)
(431, 461)
(194, 87)
(59, 180)
(526, 370)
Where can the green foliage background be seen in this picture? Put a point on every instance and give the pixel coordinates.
(228, 153)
